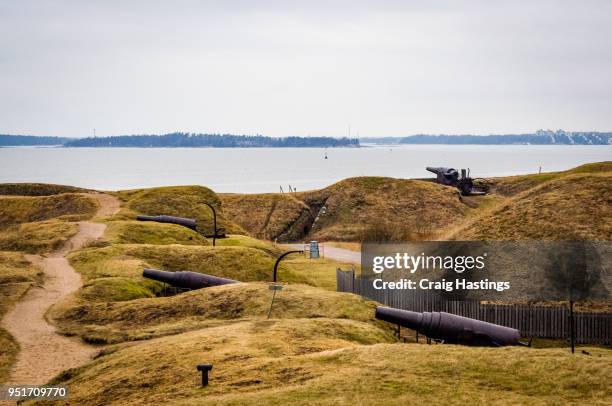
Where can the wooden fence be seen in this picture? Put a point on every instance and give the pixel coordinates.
(531, 321)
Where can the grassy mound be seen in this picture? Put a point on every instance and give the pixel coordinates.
(113, 280)
(37, 189)
(180, 201)
(148, 318)
(241, 263)
(404, 208)
(266, 216)
(15, 268)
(135, 232)
(16, 276)
(37, 237)
(330, 362)
(114, 273)
(247, 356)
(67, 206)
(511, 185)
(571, 207)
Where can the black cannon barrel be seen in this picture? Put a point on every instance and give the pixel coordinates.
(438, 170)
(444, 174)
(186, 279)
(181, 221)
(451, 328)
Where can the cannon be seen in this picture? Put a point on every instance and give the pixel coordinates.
(463, 181)
(186, 279)
(451, 328)
(185, 222)
(181, 221)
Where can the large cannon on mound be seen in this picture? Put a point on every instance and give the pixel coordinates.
(186, 279)
(451, 328)
(181, 221)
(463, 182)
(185, 222)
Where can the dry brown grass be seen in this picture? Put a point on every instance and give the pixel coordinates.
(249, 356)
(264, 216)
(37, 238)
(147, 318)
(331, 362)
(574, 206)
(15, 268)
(413, 208)
(180, 201)
(136, 232)
(67, 206)
(37, 189)
(511, 185)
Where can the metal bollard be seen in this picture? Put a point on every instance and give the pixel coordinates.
(204, 368)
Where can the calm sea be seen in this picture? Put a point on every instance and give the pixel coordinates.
(266, 169)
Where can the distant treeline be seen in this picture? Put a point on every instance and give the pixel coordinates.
(28, 140)
(210, 140)
(541, 137)
(186, 140)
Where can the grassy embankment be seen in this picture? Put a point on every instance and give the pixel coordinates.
(39, 224)
(569, 205)
(551, 206)
(330, 362)
(355, 209)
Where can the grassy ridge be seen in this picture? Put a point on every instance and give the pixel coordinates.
(247, 356)
(571, 207)
(511, 185)
(67, 206)
(43, 223)
(181, 201)
(411, 208)
(135, 232)
(112, 277)
(148, 318)
(362, 208)
(37, 189)
(332, 361)
(37, 237)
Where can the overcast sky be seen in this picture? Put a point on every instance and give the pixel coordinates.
(304, 68)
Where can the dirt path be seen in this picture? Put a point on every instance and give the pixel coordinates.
(43, 352)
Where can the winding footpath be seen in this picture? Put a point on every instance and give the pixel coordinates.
(43, 352)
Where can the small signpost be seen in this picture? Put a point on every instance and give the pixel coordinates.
(274, 287)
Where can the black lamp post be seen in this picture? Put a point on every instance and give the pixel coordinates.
(279, 260)
(214, 222)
